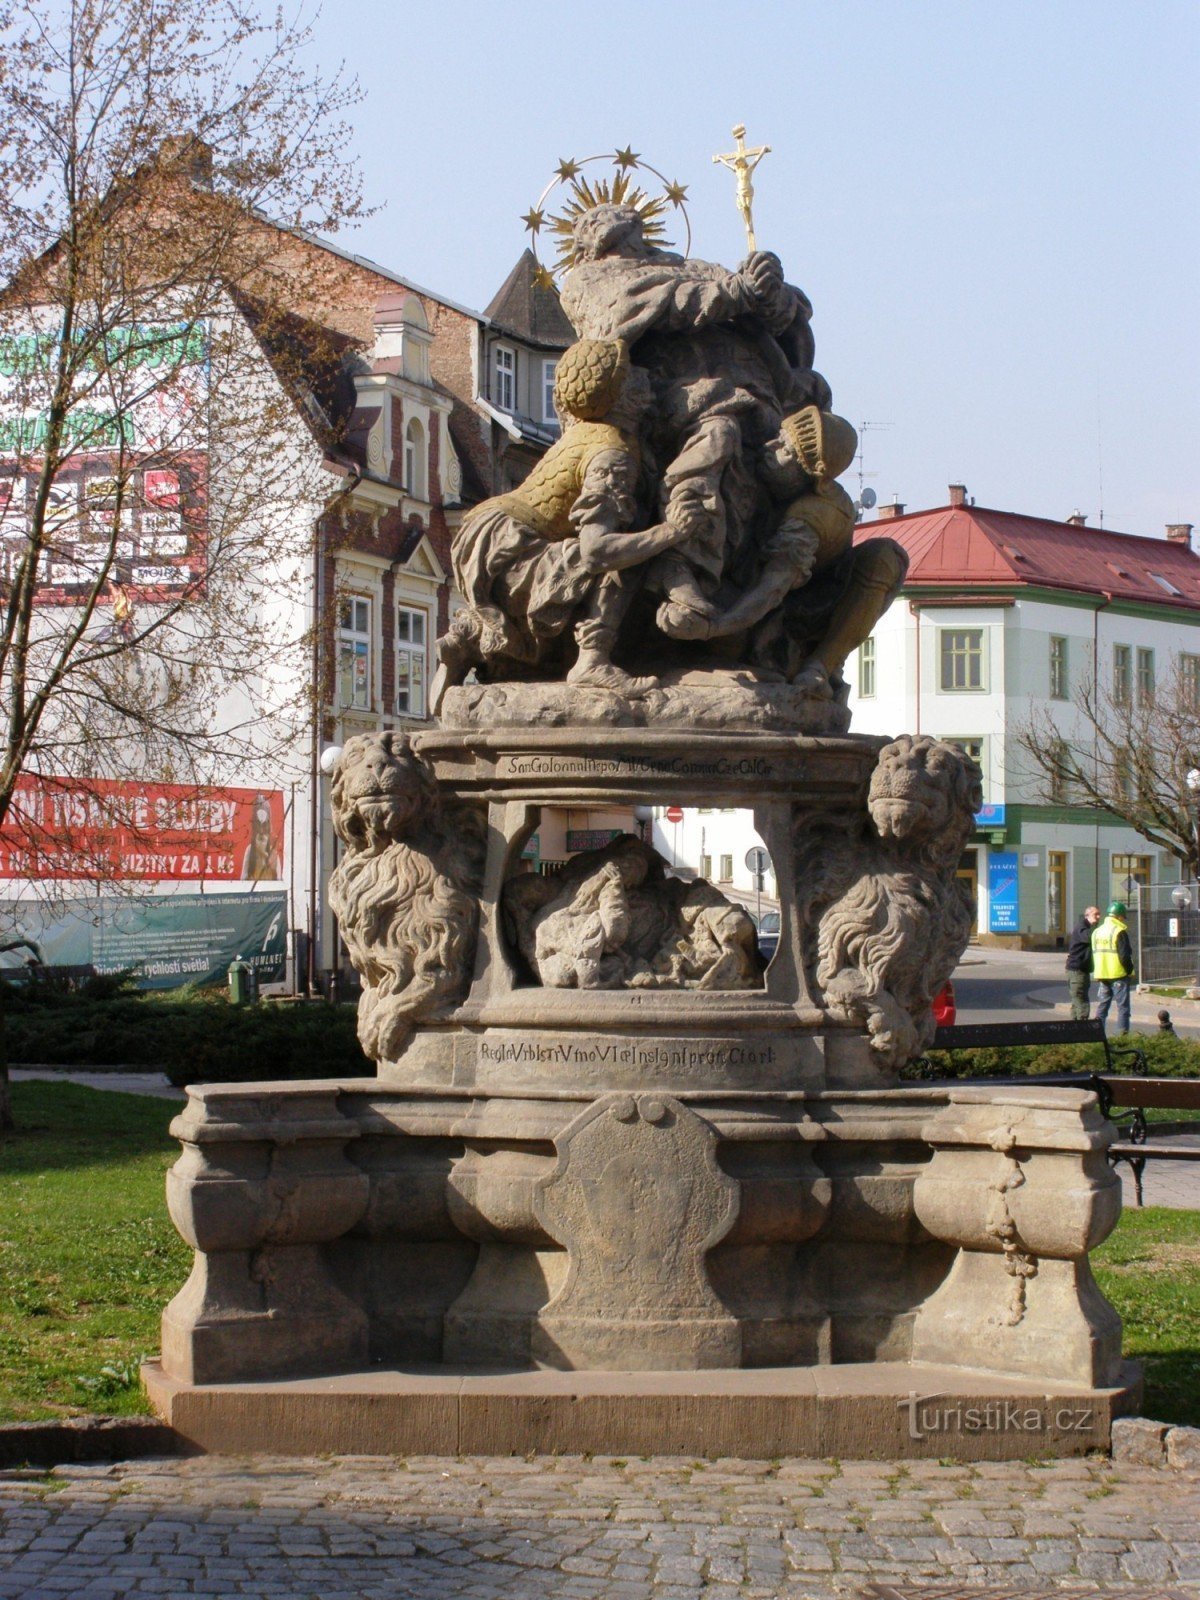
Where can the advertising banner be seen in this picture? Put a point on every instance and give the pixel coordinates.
(104, 829)
(148, 418)
(166, 941)
(1004, 902)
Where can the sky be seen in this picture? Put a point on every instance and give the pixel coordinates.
(994, 207)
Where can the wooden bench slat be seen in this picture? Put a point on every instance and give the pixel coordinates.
(1177, 1094)
(1156, 1152)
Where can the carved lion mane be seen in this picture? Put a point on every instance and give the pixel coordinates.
(406, 892)
(893, 917)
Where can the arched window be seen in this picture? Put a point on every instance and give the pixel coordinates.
(414, 460)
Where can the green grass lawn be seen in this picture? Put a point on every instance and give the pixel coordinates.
(1150, 1270)
(89, 1257)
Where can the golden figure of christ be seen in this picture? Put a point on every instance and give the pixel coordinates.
(742, 162)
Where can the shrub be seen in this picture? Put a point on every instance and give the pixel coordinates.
(192, 1038)
(1167, 1056)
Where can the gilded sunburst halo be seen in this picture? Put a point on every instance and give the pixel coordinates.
(622, 187)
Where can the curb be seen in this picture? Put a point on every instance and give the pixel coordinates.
(57, 1441)
(1137, 1441)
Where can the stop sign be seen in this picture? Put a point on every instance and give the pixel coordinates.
(674, 813)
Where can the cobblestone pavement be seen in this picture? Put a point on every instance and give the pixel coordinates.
(659, 1529)
(1165, 1183)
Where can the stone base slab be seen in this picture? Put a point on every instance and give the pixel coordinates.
(874, 1411)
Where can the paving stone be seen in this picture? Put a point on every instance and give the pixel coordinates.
(573, 1530)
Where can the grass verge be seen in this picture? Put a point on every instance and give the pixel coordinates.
(89, 1257)
(1150, 1270)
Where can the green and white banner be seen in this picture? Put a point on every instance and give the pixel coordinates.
(167, 940)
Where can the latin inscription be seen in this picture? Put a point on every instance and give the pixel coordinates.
(553, 766)
(623, 1054)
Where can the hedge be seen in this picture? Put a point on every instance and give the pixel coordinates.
(190, 1038)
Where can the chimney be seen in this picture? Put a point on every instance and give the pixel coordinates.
(1180, 533)
(958, 494)
(191, 155)
(885, 513)
(1077, 519)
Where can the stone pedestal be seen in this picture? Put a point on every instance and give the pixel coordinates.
(550, 1181)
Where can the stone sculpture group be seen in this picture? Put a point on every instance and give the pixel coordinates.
(603, 1134)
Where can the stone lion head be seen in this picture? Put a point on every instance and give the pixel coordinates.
(925, 793)
(382, 792)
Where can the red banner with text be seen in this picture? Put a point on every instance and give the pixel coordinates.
(104, 829)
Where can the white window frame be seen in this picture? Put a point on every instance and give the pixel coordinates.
(549, 414)
(504, 375)
(355, 644)
(949, 654)
(1189, 680)
(979, 741)
(412, 619)
(866, 668)
(1145, 675)
(416, 451)
(1059, 670)
(1122, 674)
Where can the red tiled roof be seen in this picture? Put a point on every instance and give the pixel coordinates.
(957, 545)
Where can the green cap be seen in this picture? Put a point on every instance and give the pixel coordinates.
(1116, 908)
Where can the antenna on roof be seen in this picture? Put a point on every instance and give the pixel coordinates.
(1099, 455)
(866, 496)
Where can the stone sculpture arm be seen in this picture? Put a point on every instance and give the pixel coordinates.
(603, 543)
(614, 301)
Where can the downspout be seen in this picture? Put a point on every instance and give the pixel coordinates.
(914, 607)
(1108, 600)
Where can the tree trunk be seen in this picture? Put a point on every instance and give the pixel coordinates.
(7, 1121)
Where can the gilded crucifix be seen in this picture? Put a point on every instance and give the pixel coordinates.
(742, 162)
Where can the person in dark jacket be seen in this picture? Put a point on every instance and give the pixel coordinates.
(1079, 963)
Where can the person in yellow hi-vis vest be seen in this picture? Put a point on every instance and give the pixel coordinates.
(1112, 965)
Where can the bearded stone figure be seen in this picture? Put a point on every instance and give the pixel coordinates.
(406, 893)
(888, 919)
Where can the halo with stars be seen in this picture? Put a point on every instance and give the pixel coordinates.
(621, 188)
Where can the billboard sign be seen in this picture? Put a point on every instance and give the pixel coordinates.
(1004, 901)
(104, 829)
(138, 470)
(167, 941)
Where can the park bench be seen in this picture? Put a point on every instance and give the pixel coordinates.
(1124, 1095)
(1008, 1035)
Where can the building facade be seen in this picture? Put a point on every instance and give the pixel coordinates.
(1001, 619)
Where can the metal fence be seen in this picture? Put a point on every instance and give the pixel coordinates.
(1164, 927)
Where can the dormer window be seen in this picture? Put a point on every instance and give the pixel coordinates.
(505, 396)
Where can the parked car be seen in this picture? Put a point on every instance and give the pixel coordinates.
(944, 1008)
(768, 934)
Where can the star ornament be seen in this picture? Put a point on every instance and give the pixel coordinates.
(629, 185)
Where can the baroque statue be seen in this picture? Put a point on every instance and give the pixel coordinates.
(603, 1133)
(689, 518)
